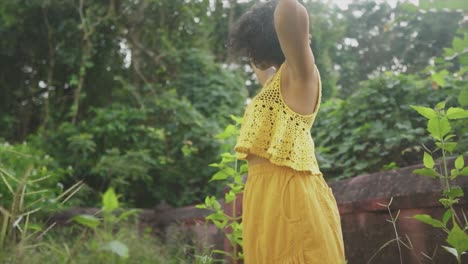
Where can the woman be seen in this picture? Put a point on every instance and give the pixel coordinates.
(289, 212)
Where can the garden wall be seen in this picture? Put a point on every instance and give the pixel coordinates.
(364, 221)
(365, 228)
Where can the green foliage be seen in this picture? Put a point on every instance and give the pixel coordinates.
(130, 94)
(443, 4)
(133, 85)
(28, 188)
(15, 160)
(105, 238)
(62, 245)
(440, 129)
(374, 126)
(144, 153)
(327, 29)
(440, 125)
(381, 38)
(214, 91)
(427, 219)
(231, 175)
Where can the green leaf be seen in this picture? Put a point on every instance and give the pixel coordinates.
(229, 197)
(439, 77)
(428, 161)
(447, 215)
(228, 132)
(244, 168)
(117, 247)
(453, 174)
(459, 162)
(454, 192)
(219, 176)
(449, 146)
(464, 172)
(408, 7)
(448, 202)
(220, 216)
(458, 239)
(128, 213)
(200, 206)
(451, 251)
(425, 111)
(460, 44)
(219, 224)
(463, 97)
(449, 136)
(208, 201)
(230, 171)
(440, 106)
(448, 52)
(427, 219)
(228, 157)
(216, 205)
(446, 4)
(216, 165)
(427, 172)
(236, 119)
(87, 220)
(35, 227)
(463, 59)
(221, 252)
(456, 113)
(7, 184)
(110, 201)
(438, 127)
(238, 179)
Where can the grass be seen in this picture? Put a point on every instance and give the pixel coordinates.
(76, 245)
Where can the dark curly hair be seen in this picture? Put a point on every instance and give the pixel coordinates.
(254, 36)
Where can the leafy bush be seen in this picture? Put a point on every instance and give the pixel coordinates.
(439, 126)
(375, 126)
(62, 244)
(18, 159)
(230, 173)
(28, 188)
(104, 239)
(150, 154)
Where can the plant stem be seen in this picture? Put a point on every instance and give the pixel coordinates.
(396, 233)
(447, 182)
(234, 215)
(233, 241)
(3, 233)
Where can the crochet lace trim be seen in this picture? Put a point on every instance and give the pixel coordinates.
(271, 129)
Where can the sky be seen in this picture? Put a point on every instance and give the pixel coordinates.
(344, 3)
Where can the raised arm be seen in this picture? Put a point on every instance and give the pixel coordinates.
(292, 27)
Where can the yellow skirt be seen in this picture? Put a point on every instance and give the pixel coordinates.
(289, 217)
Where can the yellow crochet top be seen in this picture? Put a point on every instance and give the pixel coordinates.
(272, 130)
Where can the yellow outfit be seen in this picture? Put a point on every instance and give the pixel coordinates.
(290, 215)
